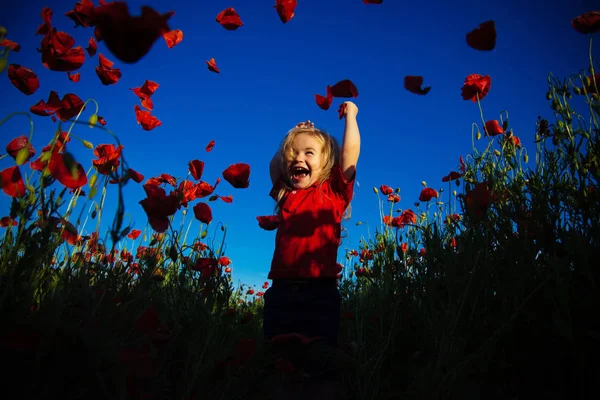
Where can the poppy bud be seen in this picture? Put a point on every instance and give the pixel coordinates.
(87, 144)
(93, 192)
(560, 124)
(424, 183)
(440, 190)
(576, 90)
(478, 136)
(93, 120)
(505, 125)
(375, 190)
(587, 81)
(457, 182)
(454, 193)
(203, 234)
(22, 156)
(358, 223)
(434, 215)
(397, 190)
(92, 180)
(526, 158)
(497, 152)
(548, 96)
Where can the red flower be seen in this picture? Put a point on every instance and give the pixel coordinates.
(136, 176)
(146, 119)
(386, 190)
(203, 213)
(23, 79)
(196, 168)
(11, 182)
(66, 170)
(129, 38)
(393, 198)
(588, 22)
(173, 38)
(476, 86)
(344, 88)
(58, 53)
(45, 109)
(10, 44)
(229, 19)
(269, 222)
(75, 77)
(210, 146)
(92, 47)
(206, 265)
(285, 9)
(238, 175)
(107, 74)
(134, 234)
(224, 261)
(82, 13)
(493, 128)
(427, 194)
(451, 176)
(413, 84)
(158, 207)
(108, 158)
(17, 145)
(483, 37)
(212, 66)
(324, 102)
(477, 200)
(70, 106)
(5, 222)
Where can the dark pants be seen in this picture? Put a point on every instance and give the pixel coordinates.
(310, 307)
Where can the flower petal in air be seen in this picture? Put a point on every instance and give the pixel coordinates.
(238, 175)
(285, 9)
(324, 102)
(107, 74)
(92, 47)
(10, 44)
(212, 66)
(74, 77)
(483, 37)
(229, 19)
(414, 85)
(196, 168)
(173, 38)
(146, 119)
(23, 79)
(210, 146)
(344, 88)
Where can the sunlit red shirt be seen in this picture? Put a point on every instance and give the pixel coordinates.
(308, 236)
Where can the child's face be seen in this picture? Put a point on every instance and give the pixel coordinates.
(305, 167)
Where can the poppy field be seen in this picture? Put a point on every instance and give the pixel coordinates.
(484, 287)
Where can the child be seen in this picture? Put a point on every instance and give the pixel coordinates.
(313, 183)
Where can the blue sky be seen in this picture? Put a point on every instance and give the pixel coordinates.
(270, 72)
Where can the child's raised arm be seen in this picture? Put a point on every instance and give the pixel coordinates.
(351, 142)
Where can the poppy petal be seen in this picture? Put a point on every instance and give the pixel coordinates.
(414, 85)
(92, 47)
(23, 79)
(483, 37)
(344, 88)
(10, 44)
(212, 66)
(196, 168)
(145, 119)
(285, 9)
(210, 146)
(75, 77)
(173, 38)
(238, 175)
(588, 22)
(229, 19)
(324, 102)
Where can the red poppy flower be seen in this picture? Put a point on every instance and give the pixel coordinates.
(70, 106)
(5, 222)
(483, 37)
(393, 198)
(206, 265)
(23, 79)
(493, 128)
(158, 207)
(269, 222)
(204, 189)
(69, 233)
(212, 66)
(210, 146)
(74, 77)
(92, 47)
(285, 9)
(107, 74)
(58, 53)
(173, 38)
(413, 84)
(342, 110)
(427, 194)
(386, 190)
(515, 141)
(196, 168)
(229, 19)
(344, 88)
(129, 38)
(82, 14)
(588, 22)
(238, 175)
(373, 1)
(477, 200)
(19, 144)
(11, 182)
(109, 158)
(136, 176)
(324, 102)
(476, 86)
(147, 120)
(66, 170)
(453, 175)
(10, 44)
(134, 234)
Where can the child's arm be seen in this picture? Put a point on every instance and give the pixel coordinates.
(351, 142)
(275, 167)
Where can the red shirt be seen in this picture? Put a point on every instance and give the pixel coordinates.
(308, 236)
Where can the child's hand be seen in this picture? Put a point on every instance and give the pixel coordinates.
(348, 109)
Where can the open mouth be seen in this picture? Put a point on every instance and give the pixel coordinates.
(299, 173)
